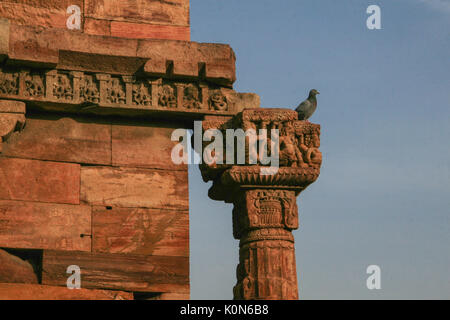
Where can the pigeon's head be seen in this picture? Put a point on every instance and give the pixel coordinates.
(313, 93)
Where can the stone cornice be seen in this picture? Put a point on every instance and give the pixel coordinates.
(71, 50)
(67, 71)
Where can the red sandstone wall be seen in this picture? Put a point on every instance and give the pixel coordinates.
(99, 193)
(138, 19)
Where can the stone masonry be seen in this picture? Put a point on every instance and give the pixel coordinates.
(86, 176)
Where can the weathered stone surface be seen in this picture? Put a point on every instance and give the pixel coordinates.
(146, 146)
(149, 31)
(44, 13)
(41, 47)
(97, 27)
(41, 292)
(33, 180)
(175, 12)
(218, 60)
(12, 106)
(15, 270)
(140, 231)
(36, 47)
(80, 61)
(9, 123)
(62, 139)
(35, 225)
(4, 38)
(119, 271)
(135, 188)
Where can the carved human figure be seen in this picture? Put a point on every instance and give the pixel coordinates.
(141, 95)
(167, 97)
(89, 90)
(191, 97)
(34, 86)
(312, 154)
(62, 88)
(289, 152)
(115, 92)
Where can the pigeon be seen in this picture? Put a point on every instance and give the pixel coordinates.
(306, 108)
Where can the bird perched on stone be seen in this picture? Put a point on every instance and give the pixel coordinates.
(306, 108)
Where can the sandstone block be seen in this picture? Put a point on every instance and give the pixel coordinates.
(97, 27)
(44, 13)
(35, 225)
(140, 231)
(175, 12)
(149, 31)
(135, 188)
(44, 48)
(40, 292)
(33, 180)
(12, 106)
(119, 271)
(62, 139)
(146, 146)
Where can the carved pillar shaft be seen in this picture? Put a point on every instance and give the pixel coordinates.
(263, 221)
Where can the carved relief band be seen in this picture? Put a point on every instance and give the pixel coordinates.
(101, 91)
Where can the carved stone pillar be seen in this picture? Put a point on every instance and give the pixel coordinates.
(265, 209)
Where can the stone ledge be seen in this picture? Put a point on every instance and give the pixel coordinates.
(32, 46)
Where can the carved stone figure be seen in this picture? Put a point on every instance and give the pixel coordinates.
(62, 88)
(290, 154)
(167, 96)
(191, 97)
(115, 92)
(141, 95)
(218, 101)
(34, 85)
(89, 90)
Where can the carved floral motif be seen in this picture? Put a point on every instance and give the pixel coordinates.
(9, 83)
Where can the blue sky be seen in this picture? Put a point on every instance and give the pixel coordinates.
(383, 194)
